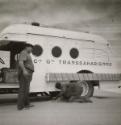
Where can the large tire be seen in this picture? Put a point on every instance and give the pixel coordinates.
(88, 89)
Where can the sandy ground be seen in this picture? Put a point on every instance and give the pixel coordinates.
(111, 87)
(104, 110)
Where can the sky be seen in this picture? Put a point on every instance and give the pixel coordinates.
(101, 17)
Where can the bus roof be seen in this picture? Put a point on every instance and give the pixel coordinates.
(45, 31)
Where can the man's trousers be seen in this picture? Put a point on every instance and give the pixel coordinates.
(23, 95)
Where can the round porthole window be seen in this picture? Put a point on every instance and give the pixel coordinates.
(56, 51)
(37, 50)
(74, 53)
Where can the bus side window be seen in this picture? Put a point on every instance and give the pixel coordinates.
(37, 50)
(56, 51)
(74, 53)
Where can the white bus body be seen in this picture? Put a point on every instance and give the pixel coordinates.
(61, 51)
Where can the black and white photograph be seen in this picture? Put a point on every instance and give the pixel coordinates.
(60, 62)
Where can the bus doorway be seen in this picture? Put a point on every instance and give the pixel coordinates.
(9, 74)
(14, 48)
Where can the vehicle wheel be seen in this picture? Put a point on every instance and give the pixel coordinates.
(88, 89)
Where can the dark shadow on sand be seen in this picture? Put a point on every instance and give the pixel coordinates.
(13, 101)
(104, 97)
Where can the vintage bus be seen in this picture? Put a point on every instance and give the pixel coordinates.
(59, 56)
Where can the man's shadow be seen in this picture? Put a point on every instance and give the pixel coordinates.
(12, 101)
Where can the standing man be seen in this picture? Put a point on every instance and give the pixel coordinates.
(26, 69)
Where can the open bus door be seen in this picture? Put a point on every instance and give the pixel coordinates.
(8, 71)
